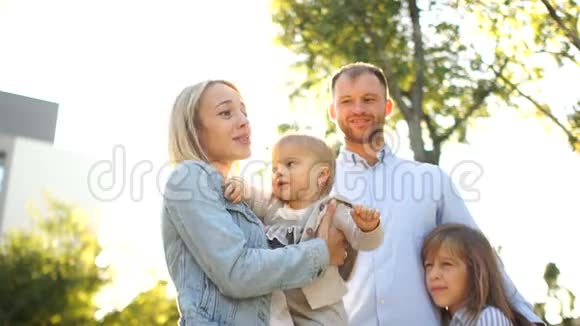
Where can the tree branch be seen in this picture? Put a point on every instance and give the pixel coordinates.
(571, 137)
(474, 107)
(432, 127)
(558, 54)
(419, 59)
(572, 35)
(384, 63)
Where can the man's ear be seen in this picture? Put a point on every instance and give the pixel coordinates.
(388, 107)
(332, 112)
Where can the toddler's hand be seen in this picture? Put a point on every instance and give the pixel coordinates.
(234, 189)
(367, 219)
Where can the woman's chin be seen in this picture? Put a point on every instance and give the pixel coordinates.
(243, 154)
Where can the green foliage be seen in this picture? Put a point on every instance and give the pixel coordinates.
(148, 308)
(327, 34)
(564, 296)
(439, 77)
(556, 29)
(574, 121)
(538, 31)
(48, 276)
(285, 128)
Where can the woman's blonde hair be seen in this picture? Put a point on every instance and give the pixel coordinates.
(184, 122)
(484, 277)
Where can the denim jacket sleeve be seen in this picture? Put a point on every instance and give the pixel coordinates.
(452, 209)
(196, 206)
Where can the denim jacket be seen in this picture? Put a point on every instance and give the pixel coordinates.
(218, 257)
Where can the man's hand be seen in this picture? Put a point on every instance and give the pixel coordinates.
(367, 219)
(335, 240)
(236, 190)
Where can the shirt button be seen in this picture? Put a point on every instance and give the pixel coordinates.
(381, 301)
(321, 207)
(309, 231)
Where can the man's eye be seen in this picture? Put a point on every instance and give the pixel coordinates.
(290, 164)
(345, 101)
(369, 100)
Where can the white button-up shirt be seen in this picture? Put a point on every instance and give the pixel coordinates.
(388, 284)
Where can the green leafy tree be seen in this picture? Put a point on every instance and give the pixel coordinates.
(564, 296)
(152, 307)
(440, 79)
(48, 275)
(537, 30)
(558, 27)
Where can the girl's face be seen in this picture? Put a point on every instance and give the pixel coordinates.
(446, 278)
(225, 130)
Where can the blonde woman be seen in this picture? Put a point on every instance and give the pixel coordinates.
(216, 251)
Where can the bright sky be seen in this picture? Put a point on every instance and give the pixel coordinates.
(115, 68)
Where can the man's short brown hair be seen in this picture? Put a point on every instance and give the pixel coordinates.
(356, 69)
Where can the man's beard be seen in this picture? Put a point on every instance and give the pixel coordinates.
(374, 135)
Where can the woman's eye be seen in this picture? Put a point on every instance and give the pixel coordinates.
(226, 113)
(291, 164)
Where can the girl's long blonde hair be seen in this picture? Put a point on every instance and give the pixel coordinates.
(184, 122)
(485, 282)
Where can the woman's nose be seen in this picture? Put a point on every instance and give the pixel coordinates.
(243, 120)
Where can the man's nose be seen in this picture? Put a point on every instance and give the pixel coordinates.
(359, 106)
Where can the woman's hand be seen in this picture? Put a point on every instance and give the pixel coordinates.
(335, 240)
(367, 219)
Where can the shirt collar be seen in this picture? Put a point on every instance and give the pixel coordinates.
(382, 155)
(462, 317)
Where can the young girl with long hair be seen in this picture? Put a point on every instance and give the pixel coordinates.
(463, 277)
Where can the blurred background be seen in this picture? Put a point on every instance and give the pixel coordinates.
(490, 90)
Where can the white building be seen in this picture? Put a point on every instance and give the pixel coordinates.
(31, 166)
(28, 168)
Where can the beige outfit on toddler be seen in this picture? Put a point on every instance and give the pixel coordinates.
(319, 303)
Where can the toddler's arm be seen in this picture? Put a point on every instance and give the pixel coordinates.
(261, 203)
(360, 225)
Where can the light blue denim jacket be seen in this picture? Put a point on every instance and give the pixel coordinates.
(218, 257)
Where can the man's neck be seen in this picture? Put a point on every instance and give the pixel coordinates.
(368, 151)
